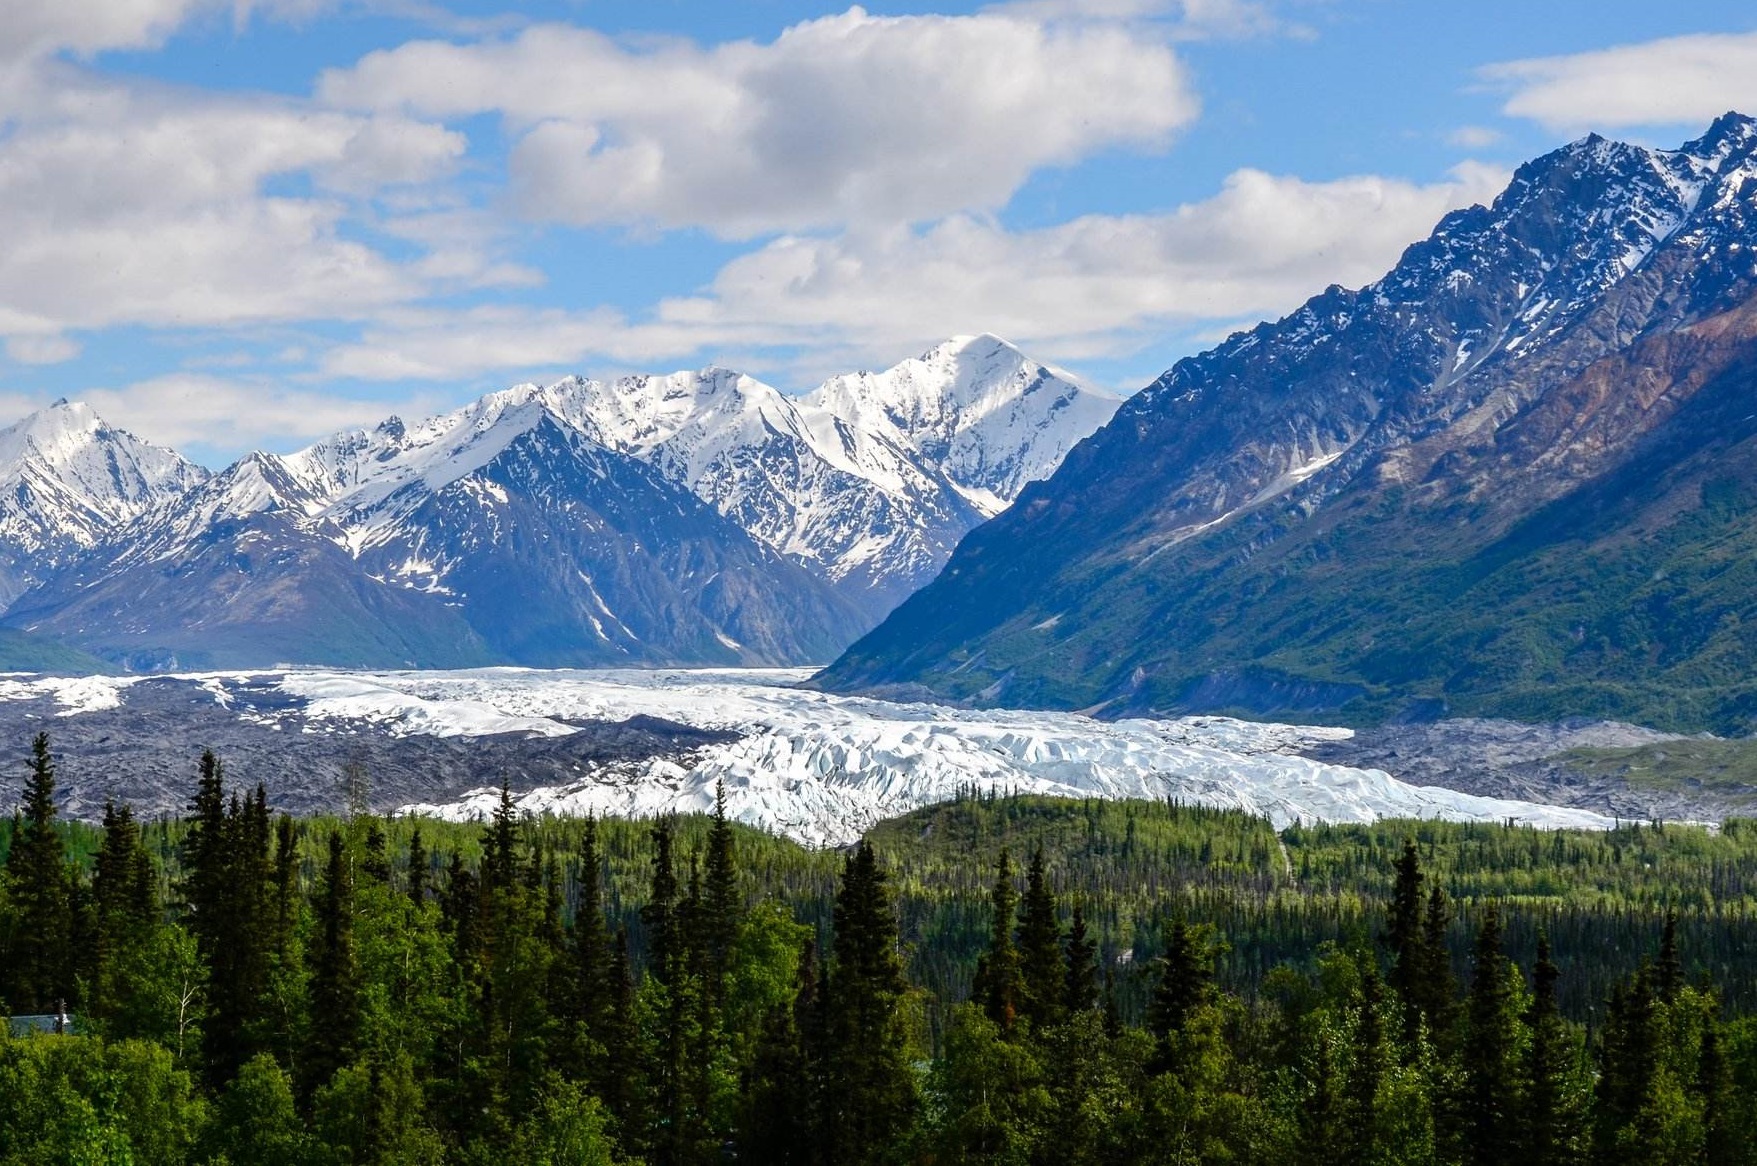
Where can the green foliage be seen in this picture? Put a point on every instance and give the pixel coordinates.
(692, 992)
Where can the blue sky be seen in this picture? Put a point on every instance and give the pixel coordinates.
(234, 225)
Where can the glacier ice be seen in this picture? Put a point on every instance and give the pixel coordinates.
(823, 768)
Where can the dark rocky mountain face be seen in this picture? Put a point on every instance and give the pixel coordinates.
(1514, 477)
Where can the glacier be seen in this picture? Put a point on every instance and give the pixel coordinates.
(822, 768)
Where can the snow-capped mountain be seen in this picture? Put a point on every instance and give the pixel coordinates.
(497, 533)
(870, 480)
(700, 518)
(1513, 477)
(68, 480)
(978, 410)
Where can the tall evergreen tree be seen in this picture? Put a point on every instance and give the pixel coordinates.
(1628, 1063)
(335, 973)
(1080, 988)
(722, 902)
(592, 964)
(998, 984)
(226, 876)
(1186, 977)
(125, 910)
(1490, 1108)
(780, 1096)
(1668, 970)
(418, 868)
(286, 883)
(1404, 936)
(1040, 951)
(869, 1092)
(375, 863)
(40, 976)
(1363, 1094)
(665, 942)
(1435, 989)
(1723, 1142)
(1549, 1126)
(500, 848)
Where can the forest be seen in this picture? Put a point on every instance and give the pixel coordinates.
(1008, 980)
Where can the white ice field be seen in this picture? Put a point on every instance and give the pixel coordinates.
(822, 768)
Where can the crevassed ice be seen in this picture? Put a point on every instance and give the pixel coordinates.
(822, 768)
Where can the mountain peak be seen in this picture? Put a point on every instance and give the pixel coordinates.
(979, 344)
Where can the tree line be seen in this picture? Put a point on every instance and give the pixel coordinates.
(365, 991)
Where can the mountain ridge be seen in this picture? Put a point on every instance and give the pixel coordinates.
(1333, 497)
(820, 526)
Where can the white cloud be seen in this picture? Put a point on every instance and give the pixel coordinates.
(1474, 137)
(179, 409)
(129, 203)
(41, 349)
(1092, 287)
(846, 119)
(1682, 79)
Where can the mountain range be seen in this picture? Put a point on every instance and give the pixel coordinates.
(697, 518)
(1517, 476)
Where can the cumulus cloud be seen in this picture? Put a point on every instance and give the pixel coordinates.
(148, 209)
(1088, 288)
(128, 202)
(180, 409)
(1474, 137)
(1662, 82)
(849, 119)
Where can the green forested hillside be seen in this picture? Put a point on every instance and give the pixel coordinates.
(1165, 983)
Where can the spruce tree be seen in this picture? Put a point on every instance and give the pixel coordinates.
(286, 884)
(226, 886)
(335, 976)
(1040, 951)
(375, 863)
(779, 1095)
(1435, 989)
(723, 904)
(125, 910)
(998, 984)
(1668, 970)
(1404, 936)
(1080, 987)
(1723, 1142)
(418, 868)
(500, 848)
(664, 939)
(41, 973)
(592, 960)
(1490, 1109)
(624, 1090)
(1549, 1124)
(869, 1092)
(1363, 1094)
(1186, 976)
(1628, 1068)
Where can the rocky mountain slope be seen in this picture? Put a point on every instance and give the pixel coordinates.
(1514, 477)
(699, 518)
